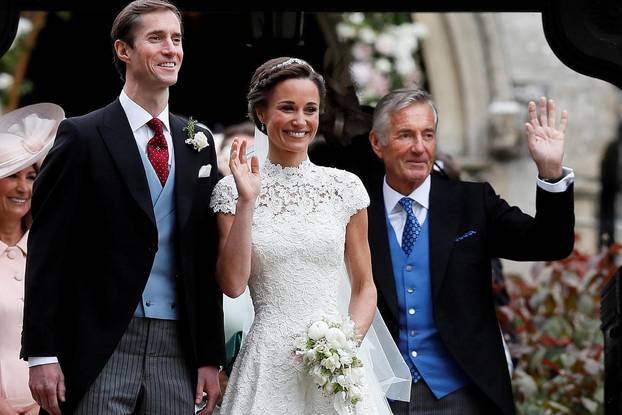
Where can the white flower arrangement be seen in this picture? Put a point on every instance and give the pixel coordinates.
(197, 140)
(384, 48)
(327, 351)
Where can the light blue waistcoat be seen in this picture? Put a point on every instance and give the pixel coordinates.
(420, 342)
(159, 299)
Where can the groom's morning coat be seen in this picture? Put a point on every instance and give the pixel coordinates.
(469, 224)
(93, 241)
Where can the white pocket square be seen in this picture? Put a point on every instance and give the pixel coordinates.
(205, 171)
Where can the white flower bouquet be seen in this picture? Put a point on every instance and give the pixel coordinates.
(327, 352)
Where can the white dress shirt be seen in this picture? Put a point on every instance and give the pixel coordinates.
(137, 117)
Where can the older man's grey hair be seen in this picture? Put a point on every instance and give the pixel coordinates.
(396, 101)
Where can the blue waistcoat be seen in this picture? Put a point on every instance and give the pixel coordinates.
(159, 299)
(420, 342)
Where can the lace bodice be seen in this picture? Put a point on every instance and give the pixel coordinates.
(297, 265)
(287, 191)
(298, 231)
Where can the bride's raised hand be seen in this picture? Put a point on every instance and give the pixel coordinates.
(246, 176)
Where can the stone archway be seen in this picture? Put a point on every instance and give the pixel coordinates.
(469, 80)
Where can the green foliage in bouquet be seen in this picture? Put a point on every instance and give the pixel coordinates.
(555, 313)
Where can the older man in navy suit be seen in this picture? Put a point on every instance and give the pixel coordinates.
(431, 241)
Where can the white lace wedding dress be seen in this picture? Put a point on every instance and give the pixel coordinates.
(298, 239)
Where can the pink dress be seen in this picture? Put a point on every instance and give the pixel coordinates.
(13, 371)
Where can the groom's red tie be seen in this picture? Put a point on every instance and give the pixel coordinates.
(157, 150)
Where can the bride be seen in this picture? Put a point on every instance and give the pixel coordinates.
(293, 232)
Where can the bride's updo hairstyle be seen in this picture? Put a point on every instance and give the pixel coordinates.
(277, 70)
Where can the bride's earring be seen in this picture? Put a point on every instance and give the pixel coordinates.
(263, 128)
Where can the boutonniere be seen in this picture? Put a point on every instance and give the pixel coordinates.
(197, 140)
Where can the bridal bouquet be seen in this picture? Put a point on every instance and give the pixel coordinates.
(327, 351)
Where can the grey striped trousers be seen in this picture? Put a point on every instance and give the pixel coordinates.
(465, 401)
(146, 374)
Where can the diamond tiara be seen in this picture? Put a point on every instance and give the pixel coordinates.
(290, 61)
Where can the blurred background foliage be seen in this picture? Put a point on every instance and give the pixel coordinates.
(555, 315)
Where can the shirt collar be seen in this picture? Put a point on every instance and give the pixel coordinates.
(421, 195)
(138, 116)
(22, 244)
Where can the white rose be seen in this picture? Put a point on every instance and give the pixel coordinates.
(323, 349)
(335, 337)
(317, 330)
(200, 141)
(309, 356)
(331, 363)
(318, 377)
(343, 381)
(345, 358)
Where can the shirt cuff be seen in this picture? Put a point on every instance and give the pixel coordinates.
(38, 361)
(561, 185)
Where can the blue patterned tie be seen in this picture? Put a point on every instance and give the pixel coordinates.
(412, 228)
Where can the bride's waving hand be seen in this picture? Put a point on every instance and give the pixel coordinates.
(234, 231)
(246, 176)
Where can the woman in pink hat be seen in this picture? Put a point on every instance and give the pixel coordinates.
(26, 135)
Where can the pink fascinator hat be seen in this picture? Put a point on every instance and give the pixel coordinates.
(26, 136)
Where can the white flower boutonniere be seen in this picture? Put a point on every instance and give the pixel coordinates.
(197, 140)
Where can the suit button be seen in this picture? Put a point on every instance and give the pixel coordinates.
(413, 353)
(412, 333)
(410, 290)
(409, 268)
(148, 303)
(411, 311)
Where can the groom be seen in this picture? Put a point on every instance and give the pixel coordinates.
(122, 312)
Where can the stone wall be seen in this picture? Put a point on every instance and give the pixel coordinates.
(593, 107)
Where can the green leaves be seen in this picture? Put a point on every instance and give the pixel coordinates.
(555, 312)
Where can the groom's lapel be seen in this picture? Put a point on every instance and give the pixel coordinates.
(119, 139)
(187, 165)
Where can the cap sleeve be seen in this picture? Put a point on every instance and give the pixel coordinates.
(225, 196)
(356, 197)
